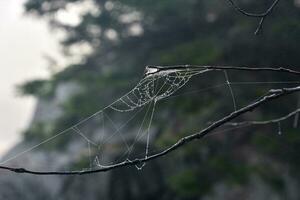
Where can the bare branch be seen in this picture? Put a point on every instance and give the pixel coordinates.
(289, 115)
(262, 16)
(271, 95)
(250, 69)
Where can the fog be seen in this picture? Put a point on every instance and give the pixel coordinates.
(24, 43)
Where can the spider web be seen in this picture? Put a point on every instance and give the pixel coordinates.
(123, 130)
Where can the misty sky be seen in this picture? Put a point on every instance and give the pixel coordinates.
(24, 42)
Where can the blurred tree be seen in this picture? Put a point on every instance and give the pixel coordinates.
(124, 36)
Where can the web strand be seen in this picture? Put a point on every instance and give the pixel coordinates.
(158, 84)
(230, 89)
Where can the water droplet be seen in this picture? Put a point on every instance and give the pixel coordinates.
(279, 128)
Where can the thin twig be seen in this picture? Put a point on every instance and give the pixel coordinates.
(295, 112)
(296, 119)
(271, 95)
(262, 16)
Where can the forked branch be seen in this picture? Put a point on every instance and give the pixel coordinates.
(262, 16)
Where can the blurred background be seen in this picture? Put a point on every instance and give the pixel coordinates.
(62, 60)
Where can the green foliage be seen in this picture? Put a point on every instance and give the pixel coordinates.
(199, 51)
(38, 88)
(189, 183)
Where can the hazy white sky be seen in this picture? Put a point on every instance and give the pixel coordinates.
(24, 41)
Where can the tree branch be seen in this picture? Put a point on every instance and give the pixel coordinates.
(262, 16)
(270, 96)
(250, 69)
(291, 114)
